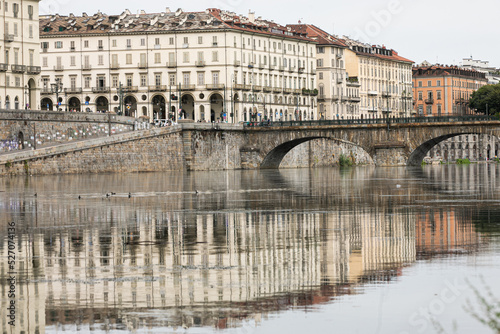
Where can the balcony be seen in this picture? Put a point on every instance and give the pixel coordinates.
(58, 68)
(256, 88)
(281, 68)
(73, 90)
(215, 86)
(261, 66)
(313, 71)
(372, 109)
(297, 91)
(142, 65)
(102, 89)
(292, 68)
(157, 88)
(172, 64)
(301, 70)
(272, 67)
(238, 86)
(288, 90)
(88, 67)
(18, 68)
(429, 101)
(9, 38)
(237, 63)
(355, 99)
(386, 110)
(277, 90)
(267, 89)
(386, 94)
(45, 91)
(200, 63)
(353, 82)
(130, 89)
(340, 80)
(321, 98)
(335, 97)
(4, 67)
(34, 69)
(372, 93)
(188, 87)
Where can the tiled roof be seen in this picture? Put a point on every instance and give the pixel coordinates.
(444, 70)
(212, 19)
(321, 36)
(380, 52)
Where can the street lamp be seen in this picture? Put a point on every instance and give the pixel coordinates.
(26, 100)
(57, 88)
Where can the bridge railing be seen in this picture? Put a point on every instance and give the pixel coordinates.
(399, 120)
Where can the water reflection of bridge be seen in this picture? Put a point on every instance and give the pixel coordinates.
(211, 269)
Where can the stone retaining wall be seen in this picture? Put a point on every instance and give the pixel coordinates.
(29, 129)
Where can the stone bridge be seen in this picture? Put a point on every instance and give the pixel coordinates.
(207, 146)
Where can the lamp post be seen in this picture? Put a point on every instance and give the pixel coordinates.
(26, 99)
(232, 98)
(57, 88)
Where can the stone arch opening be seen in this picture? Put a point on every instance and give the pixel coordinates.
(217, 107)
(31, 103)
(101, 104)
(20, 140)
(187, 107)
(274, 158)
(74, 104)
(130, 105)
(46, 104)
(159, 111)
(418, 155)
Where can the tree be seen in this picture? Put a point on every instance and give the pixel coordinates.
(486, 99)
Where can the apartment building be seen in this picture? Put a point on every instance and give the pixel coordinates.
(385, 79)
(19, 55)
(441, 90)
(205, 66)
(338, 92)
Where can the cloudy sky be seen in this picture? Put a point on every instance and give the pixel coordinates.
(438, 31)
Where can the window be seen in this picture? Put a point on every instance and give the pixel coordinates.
(73, 60)
(185, 57)
(129, 80)
(186, 40)
(128, 58)
(99, 44)
(30, 12)
(215, 56)
(171, 79)
(201, 78)
(113, 43)
(158, 79)
(420, 84)
(72, 80)
(87, 80)
(438, 83)
(58, 45)
(214, 41)
(438, 95)
(200, 39)
(320, 75)
(429, 110)
(114, 80)
(101, 59)
(143, 42)
(143, 80)
(15, 9)
(72, 45)
(321, 49)
(215, 78)
(85, 44)
(157, 41)
(44, 62)
(171, 41)
(429, 83)
(319, 63)
(420, 96)
(30, 31)
(129, 43)
(157, 58)
(186, 78)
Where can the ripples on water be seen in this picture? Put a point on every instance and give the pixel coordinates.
(251, 251)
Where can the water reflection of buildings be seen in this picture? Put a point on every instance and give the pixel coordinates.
(444, 232)
(208, 269)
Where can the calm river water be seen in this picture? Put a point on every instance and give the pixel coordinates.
(362, 250)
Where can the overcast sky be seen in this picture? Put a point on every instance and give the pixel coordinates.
(438, 31)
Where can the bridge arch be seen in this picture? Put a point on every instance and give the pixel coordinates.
(417, 156)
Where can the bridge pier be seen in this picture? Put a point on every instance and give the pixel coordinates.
(390, 154)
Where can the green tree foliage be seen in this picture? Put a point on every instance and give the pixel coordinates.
(486, 97)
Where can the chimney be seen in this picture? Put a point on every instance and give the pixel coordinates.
(251, 16)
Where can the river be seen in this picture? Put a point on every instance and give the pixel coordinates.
(357, 250)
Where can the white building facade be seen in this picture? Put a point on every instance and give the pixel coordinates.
(19, 55)
(205, 66)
